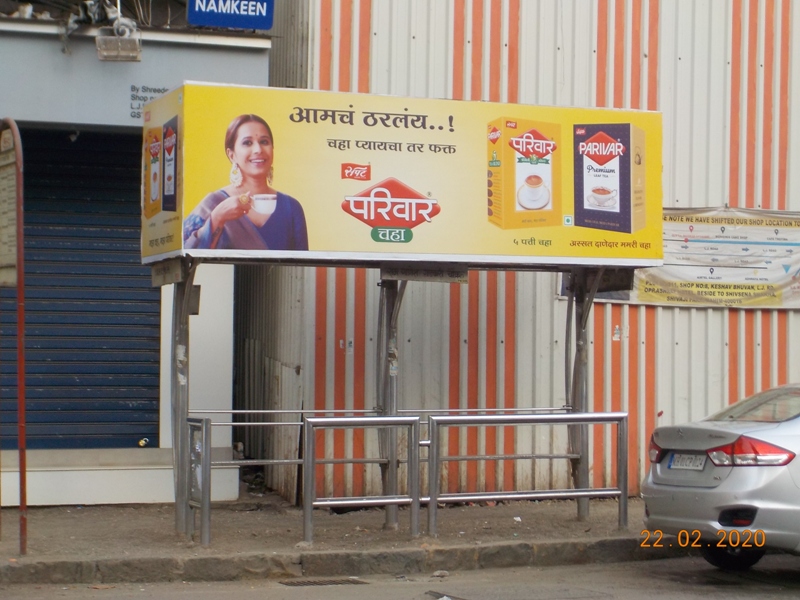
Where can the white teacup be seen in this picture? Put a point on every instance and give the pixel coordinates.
(603, 197)
(265, 203)
(533, 193)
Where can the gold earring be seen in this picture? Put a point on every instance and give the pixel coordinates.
(236, 175)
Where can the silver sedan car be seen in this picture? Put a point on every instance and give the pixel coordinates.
(728, 485)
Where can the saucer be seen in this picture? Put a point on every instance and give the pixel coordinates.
(593, 203)
(541, 203)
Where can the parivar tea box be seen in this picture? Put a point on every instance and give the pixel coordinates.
(609, 177)
(169, 199)
(152, 172)
(524, 173)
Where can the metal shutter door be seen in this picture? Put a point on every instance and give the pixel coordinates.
(92, 318)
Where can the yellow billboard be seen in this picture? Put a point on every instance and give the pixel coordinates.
(321, 177)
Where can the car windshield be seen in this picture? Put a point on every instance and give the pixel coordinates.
(771, 406)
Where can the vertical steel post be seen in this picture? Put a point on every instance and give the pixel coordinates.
(22, 436)
(388, 404)
(178, 441)
(433, 474)
(393, 360)
(583, 304)
(380, 355)
(580, 433)
(309, 480)
(180, 394)
(622, 471)
(381, 376)
(205, 501)
(413, 476)
(393, 466)
(568, 358)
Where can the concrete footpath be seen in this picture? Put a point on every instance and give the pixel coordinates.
(261, 537)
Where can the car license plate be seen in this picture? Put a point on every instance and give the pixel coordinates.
(694, 462)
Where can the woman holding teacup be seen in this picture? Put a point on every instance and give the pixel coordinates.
(248, 214)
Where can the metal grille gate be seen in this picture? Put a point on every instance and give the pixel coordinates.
(92, 317)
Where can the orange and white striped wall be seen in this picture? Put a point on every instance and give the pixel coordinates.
(722, 74)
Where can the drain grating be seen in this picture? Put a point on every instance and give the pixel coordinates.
(307, 582)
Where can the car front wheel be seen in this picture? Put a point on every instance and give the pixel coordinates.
(732, 559)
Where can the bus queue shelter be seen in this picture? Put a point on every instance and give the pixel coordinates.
(419, 188)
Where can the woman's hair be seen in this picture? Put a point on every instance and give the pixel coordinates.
(233, 129)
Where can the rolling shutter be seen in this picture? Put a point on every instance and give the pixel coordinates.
(92, 318)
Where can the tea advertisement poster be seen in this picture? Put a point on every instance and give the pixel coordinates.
(235, 172)
(741, 258)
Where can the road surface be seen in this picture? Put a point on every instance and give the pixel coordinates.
(776, 576)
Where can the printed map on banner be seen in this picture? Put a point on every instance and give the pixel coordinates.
(724, 257)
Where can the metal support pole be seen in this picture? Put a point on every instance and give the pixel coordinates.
(205, 502)
(413, 477)
(309, 481)
(391, 296)
(393, 364)
(180, 395)
(433, 475)
(580, 400)
(568, 343)
(19, 251)
(622, 471)
(380, 355)
(392, 467)
(579, 434)
(386, 304)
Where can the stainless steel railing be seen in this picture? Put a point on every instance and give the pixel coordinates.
(436, 422)
(310, 463)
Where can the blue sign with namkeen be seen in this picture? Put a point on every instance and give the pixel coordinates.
(234, 14)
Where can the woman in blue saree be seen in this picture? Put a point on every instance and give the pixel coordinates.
(227, 218)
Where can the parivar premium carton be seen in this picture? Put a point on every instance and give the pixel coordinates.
(609, 177)
(524, 173)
